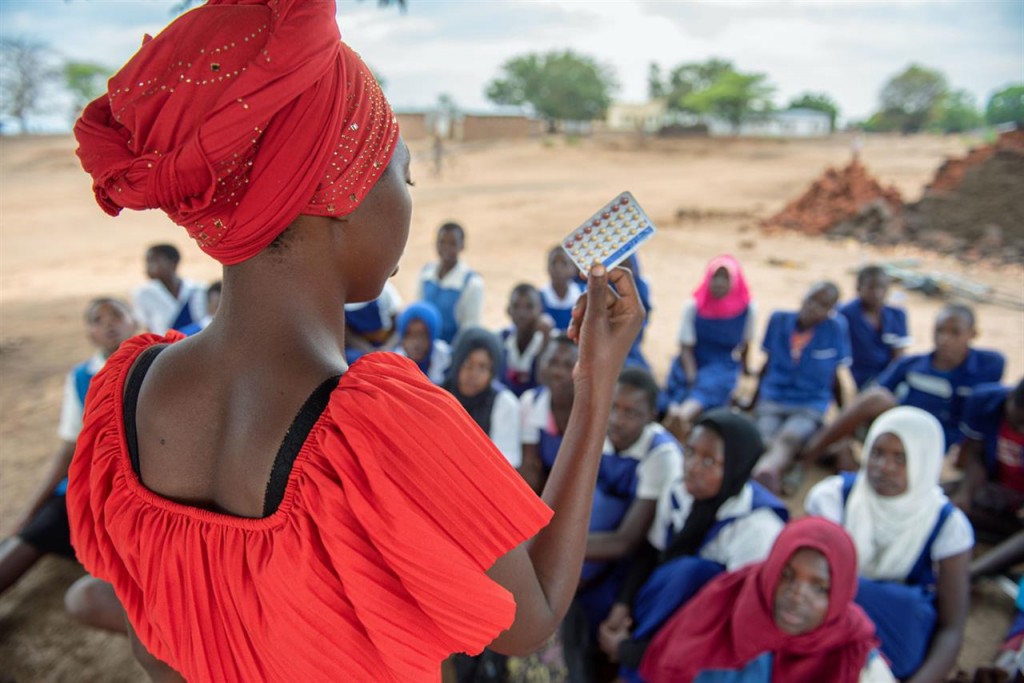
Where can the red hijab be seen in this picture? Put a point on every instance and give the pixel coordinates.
(730, 622)
(734, 302)
(235, 119)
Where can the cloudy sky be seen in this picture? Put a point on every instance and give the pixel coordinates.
(846, 48)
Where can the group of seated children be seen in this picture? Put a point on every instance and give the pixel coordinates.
(693, 570)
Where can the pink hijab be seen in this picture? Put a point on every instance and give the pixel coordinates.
(734, 302)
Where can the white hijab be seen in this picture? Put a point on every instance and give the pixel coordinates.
(890, 531)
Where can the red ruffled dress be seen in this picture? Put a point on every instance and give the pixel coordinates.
(372, 568)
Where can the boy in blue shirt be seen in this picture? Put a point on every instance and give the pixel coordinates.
(938, 382)
(806, 350)
(878, 333)
(450, 285)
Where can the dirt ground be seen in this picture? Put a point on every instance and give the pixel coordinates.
(516, 199)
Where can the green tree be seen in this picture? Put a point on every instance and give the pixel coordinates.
(26, 71)
(85, 81)
(957, 113)
(655, 85)
(686, 79)
(558, 86)
(818, 102)
(1007, 106)
(733, 96)
(916, 94)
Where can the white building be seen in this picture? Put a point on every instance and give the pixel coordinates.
(791, 123)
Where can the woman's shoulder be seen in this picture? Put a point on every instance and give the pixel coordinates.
(956, 536)
(825, 499)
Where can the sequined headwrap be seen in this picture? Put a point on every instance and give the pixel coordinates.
(235, 119)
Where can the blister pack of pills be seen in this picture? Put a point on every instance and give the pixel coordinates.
(611, 235)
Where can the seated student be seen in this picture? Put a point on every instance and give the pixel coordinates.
(524, 340)
(636, 356)
(43, 526)
(992, 453)
(938, 382)
(790, 618)
(545, 409)
(167, 301)
(806, 351)
(212, 304)
(878, 332)
(716, 329)
(418, 328)
(641, 459)
(472, 379)
(560, 294)
(913, 544)
(370, 326)
(713, 519)
(450, 284)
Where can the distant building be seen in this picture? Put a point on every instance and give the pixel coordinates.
(465, 126)
(654, 116)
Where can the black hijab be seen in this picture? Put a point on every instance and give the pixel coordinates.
(480, 406)
(743, 447)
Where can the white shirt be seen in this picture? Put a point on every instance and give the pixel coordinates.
(535, 414)
(505, 427)
(523, 361)
(658, 467)
(825, 499)
(747, 539)
(71, 407)
(440, 359)
(157, 309)
(469, 310)
(688, 324)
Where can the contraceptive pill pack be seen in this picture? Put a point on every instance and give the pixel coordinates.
(611, 235)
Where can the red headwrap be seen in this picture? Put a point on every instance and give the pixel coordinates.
(235, 119)
(736, 299)
(731, 621)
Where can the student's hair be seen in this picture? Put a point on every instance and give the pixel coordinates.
(93, 304)
(215, 288)
(523, 289)
(1018, 394)
(168, 251)
(868, 273)
(962, 311)
(638, 378)
(557, 340)
(826, 285)
(453, 227)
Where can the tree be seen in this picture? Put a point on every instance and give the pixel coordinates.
(655, 86)
(915, 94)
(86, 82)
(26, 71)
(686, 79)
(558, 86)
(957, 113)
(1007, 106)
(733, 96)
(818, 102)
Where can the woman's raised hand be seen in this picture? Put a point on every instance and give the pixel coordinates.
(605, 323)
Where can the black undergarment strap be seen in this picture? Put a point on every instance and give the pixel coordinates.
(299, 430)
(131, 401)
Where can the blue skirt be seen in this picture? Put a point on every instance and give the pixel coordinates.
(905, 619)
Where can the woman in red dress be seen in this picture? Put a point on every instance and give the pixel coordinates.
(263, 511)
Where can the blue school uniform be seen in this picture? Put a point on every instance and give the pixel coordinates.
(518, 370)
(560, 310)
(983, 415)
(718, 369)
(904, 612)
(635, 357)
(82, 375)
(807, 382)
(446, 299)
(362, 319)
(872, 348)
(915, 382)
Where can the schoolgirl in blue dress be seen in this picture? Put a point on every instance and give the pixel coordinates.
(878, 332)
(419, 326)
(560, 294)
(452, 286)
(370, 325)
(715, 332)
(913, 545)
(711, 519)
(524, 340)
(545, 410)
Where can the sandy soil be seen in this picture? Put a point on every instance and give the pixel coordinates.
(57, 250)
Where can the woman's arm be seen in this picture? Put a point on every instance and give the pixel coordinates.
(57, 470)
(542, 573)
(158, 671)
(952, 603)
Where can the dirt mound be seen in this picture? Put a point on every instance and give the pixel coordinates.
(975, 205)
(951, 173)
(837, 197)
